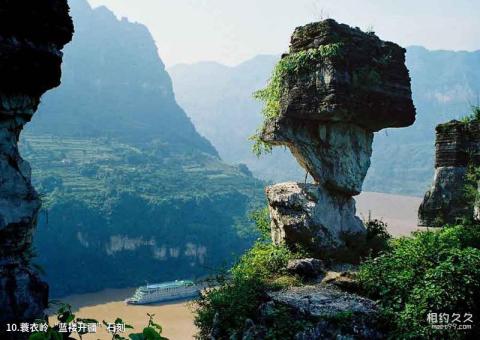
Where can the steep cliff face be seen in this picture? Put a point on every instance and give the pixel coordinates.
(31, 38)
(457, 152)
(337, 86)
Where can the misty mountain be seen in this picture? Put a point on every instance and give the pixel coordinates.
(219, 99)
(115, 85)
(131, 192)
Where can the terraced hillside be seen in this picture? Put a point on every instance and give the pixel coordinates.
(95, 169)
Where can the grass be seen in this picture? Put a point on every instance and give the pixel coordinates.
(473, 116)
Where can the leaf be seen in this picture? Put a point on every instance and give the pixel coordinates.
(136, 336)
(70, 318)
(157, 326)
(38, 336)
(151, 334)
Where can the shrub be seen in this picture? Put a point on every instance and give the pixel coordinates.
(377, 237)
(430, 272)
(264, 261)
(228, 306)
(474, 115)
(285, 281)
(261, 217)
(238, 296)
(359, 247)
(223, 311)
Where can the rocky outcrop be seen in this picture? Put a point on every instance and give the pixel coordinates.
(308, 215)
(309, 268)
(339, 86)
(340, 314)
(32, 35)
(457, 152)
(328, 313)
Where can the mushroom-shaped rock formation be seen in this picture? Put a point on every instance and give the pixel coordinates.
(32, 34)
(326, 98)
(457, 154)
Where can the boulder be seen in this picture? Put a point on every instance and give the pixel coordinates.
(307, 268)
(310, 216)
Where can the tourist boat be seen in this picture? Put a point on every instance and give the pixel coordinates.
(166, 291)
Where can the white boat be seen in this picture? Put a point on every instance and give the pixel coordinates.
(166, 291)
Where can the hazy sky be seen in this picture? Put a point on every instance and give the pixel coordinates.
(231, 31)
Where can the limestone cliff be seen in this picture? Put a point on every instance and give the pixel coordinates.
(457, 148)
(337, 86)
(32, 35)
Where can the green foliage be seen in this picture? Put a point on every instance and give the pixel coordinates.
(236, 298)
(473, 116)
(471, 193)
(261, 217)
(430, 272)
(98, 170)
(358, 248)
(228, 306)
(153, 331)
(264, 261)
(293, 63)
(285, 281)
(260, 147)
(377, 238)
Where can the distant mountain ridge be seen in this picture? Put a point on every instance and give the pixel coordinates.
(444, 84)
